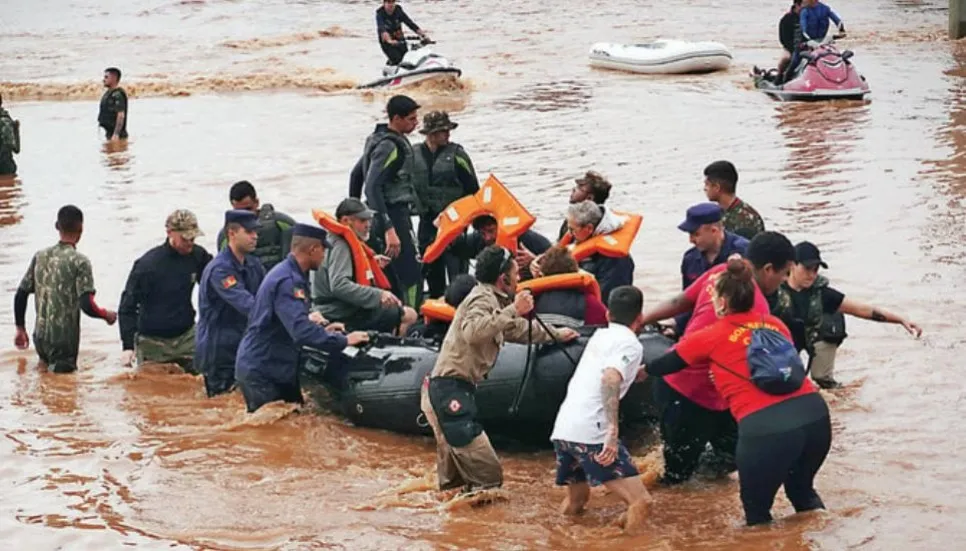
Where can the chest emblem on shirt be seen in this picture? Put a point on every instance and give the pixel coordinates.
(229, 282)
(454, 406)
(300, 293)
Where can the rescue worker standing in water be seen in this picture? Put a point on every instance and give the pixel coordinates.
(389, 21)
(113, 113)
(488, 316)
(266, 366)
(384, 173)
(274, 227)
(225, 298)
(442, 173)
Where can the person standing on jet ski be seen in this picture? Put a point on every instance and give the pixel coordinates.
(389, 21)
(813, 25)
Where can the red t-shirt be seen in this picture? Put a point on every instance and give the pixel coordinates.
(595, 313)
(725, 342)
(694, 381)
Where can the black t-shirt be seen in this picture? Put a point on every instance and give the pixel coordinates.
(831, 301)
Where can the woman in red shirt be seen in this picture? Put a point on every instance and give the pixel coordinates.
(782, 440)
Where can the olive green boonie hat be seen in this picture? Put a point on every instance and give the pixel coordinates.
(184, 222)
(436, 121)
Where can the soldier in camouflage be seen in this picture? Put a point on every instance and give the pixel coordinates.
(63, 284)
(9, 141)
(442, 173)
(113, 112)
(720, 183)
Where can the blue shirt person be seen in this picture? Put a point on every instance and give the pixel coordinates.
(813, 20)
(712, 246)
(267, 364)
(226, 295)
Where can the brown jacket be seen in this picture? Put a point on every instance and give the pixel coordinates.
(484, 319)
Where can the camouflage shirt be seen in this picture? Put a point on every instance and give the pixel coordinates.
(742, 219)
(58, 276)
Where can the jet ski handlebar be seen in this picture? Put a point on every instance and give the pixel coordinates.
(421, 40)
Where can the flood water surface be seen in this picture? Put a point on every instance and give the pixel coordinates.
(263, 90)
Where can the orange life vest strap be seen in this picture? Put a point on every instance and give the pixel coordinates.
(434, 309)
(615, 244)
(494, 199)
(579, 280)
(366, 269)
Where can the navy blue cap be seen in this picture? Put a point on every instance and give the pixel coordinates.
(247, 218)
(699, 215)
(312, 232)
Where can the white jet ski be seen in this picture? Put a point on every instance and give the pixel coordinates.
(661, 57)
(420, 63)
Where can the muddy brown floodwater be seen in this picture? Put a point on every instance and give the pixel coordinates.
(262, 90)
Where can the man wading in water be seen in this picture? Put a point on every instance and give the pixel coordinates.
(489, 315)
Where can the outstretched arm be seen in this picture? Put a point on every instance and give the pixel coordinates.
(865, 311)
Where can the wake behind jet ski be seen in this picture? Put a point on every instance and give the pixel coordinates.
(420, 63)
(823, 73)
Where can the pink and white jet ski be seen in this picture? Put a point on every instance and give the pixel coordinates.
(823, 73)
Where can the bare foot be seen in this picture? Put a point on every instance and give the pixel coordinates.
(636, 517)
(571, 509)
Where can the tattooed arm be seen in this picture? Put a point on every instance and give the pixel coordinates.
(865, 311)
(610, 391)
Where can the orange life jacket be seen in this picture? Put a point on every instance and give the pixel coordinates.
(615, 244)
(436, 309)
(493, 198)
(579, 280)
(365, 267)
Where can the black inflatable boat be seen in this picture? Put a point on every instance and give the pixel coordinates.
(379, 387)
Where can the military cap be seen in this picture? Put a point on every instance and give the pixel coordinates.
(699, 215)
(246, 218)
(310, 231)
(437, 121)
(184, 222)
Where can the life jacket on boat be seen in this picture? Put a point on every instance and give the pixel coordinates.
(365, 268)
(616, 244)
(580, 280)
(494, 199)
(435, 309)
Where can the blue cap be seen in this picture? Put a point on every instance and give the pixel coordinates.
(247, 218)
(310, 231)
(699, 215)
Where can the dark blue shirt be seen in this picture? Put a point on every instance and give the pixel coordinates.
(695, 264)
(226, 295)
(392, 23)
(156, 301)
(610, 272)
(814, 21)
(279, 326)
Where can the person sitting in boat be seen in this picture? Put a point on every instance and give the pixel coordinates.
(789, 34)
(529, 246)
(601, 241)
(389, 21)
(350, 286)
(565, 296)
(592, 186)
(437, 323)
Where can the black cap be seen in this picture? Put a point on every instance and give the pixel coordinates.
(353, 207)
(312, 232)
(806, 253)
(247, 218)
(400, 106)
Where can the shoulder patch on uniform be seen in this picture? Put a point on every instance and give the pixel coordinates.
(300, 293)
(229, 282)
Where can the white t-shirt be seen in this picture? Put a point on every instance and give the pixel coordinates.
(582, 418)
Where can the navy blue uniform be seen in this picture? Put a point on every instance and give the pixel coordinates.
(268, 357)
(694, 264)
(226, 296)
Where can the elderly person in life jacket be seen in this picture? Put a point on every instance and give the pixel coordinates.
(585, 221)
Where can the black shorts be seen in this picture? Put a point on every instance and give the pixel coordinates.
(384, 319)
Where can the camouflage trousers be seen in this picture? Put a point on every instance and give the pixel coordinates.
(177, 350)
(59, 357)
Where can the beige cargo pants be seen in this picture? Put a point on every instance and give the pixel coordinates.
(823, 361)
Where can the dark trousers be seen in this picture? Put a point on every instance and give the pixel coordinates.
(59, 357)
(405, 271)
(258, 391)
(439, 273)
(7, 165)
(219, 379)
(769, 460)
(395, 52)
(687, 428)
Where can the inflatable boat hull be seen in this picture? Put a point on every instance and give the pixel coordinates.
(381, 388)
(661, 57)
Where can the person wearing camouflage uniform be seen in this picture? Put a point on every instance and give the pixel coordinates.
(63, 282)
(720, 183)
(9, 141)
(442, 173)
(157, 320)
(274, 227)
(815, 314)
(112, 116)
